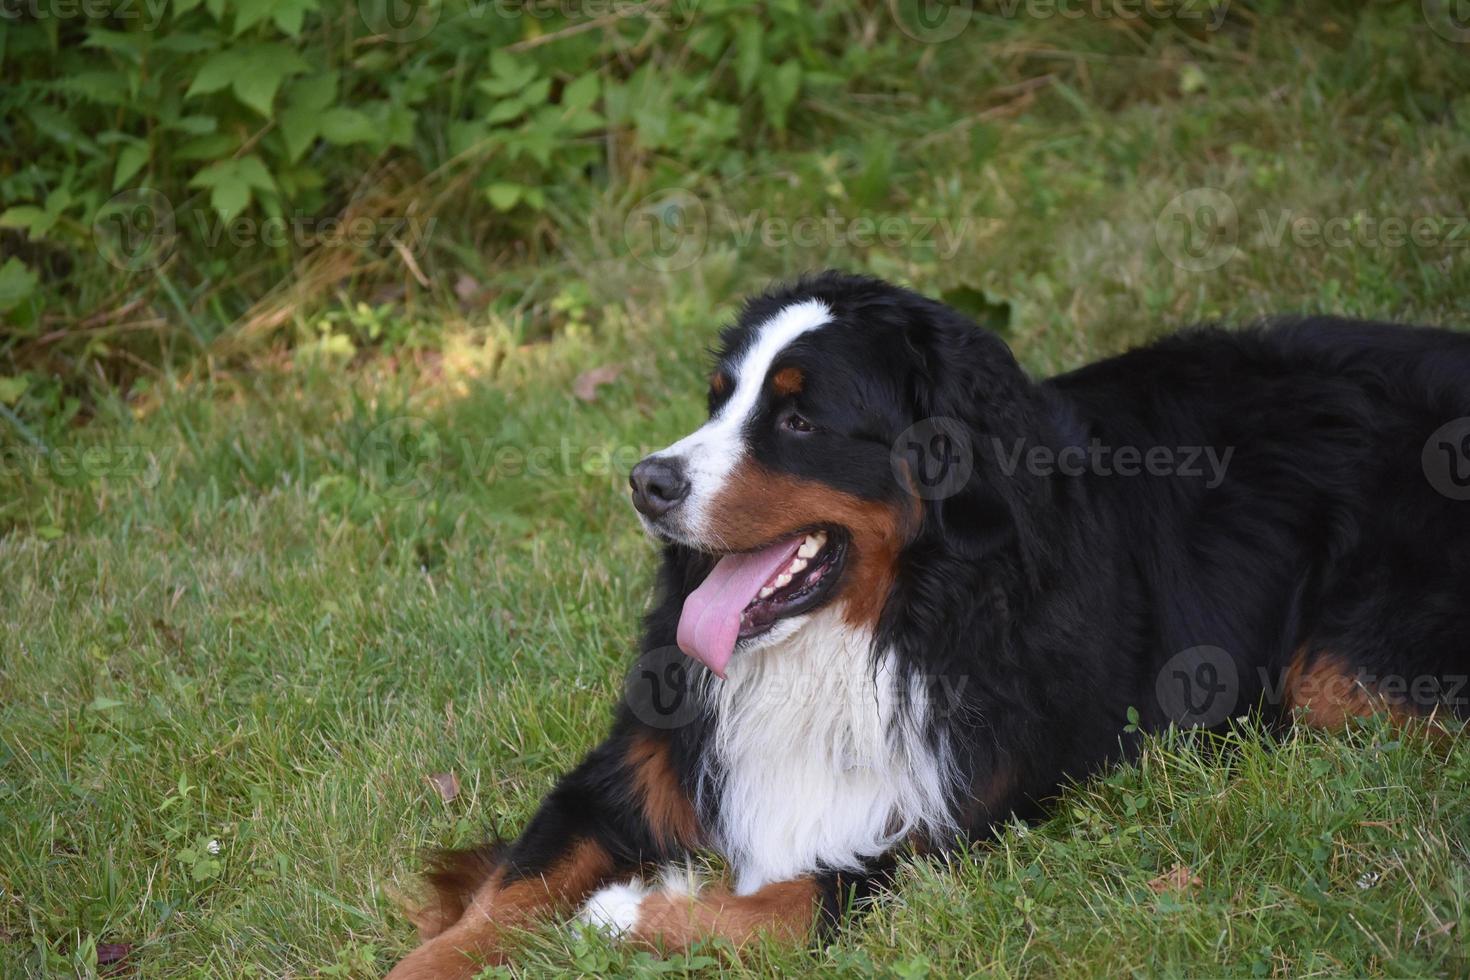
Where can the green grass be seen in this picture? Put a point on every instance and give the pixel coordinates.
(232, 623)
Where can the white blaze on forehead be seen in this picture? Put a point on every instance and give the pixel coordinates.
(710, 452)
(771, 338)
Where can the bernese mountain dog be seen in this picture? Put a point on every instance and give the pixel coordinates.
(908, 593)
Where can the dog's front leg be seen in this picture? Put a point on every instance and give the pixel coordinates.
(622, 808)
(677, 914)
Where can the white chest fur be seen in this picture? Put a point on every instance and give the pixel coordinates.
(822, 760)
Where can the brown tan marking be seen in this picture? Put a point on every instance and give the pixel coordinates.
(1325, 692)
(718, 383)
(788, 381)
(783, 910)
(758, 505)
(464, 948)
(666, 806)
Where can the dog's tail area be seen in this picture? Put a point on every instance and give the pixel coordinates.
(453, 877)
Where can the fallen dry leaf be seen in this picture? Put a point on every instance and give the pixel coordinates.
(113, 957)
(446, 784)
(587, 383)
(1178, 878)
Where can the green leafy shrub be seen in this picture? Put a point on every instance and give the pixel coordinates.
(198, 154)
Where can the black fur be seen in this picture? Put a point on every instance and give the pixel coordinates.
(1050, 604)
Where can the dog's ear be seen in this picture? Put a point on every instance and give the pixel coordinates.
(973, 400)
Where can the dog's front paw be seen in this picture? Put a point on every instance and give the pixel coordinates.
(622, 910)
(614, 909)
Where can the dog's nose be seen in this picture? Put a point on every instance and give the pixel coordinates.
(658, 485)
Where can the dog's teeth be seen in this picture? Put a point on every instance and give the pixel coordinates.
(783, 580)
(797, 565)
(811, 546)
(767, 592)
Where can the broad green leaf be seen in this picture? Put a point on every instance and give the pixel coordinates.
(509, 74)
(254, 73)
(257, 86)
(253, 171)
(581, 93)
(59, 200)
(314, 92)
(132, 159)
(214, 173)
(210, 147)
(779, 89)
(538, 142)
(652, 125)
(375, 61)
(21, 216)
(583, 121)
(12, 388)
(217, 71)
(536, 93)
(299, 128)
(504, 196)
(230, 197)
(290, 14)
(346, 126)
(16, 284)
(193, 125)
(505, 110)
(231, 183)
(248, 13)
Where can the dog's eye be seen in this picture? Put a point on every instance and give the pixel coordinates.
(797, 423)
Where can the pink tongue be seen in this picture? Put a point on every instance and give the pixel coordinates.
(710, 622)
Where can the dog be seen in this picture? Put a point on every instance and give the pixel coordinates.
(907, 593)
